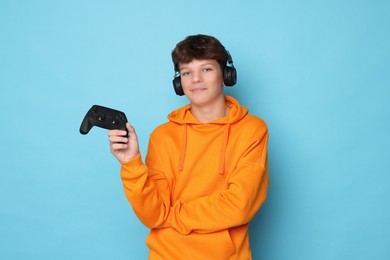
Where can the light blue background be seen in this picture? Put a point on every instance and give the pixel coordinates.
(316, 71)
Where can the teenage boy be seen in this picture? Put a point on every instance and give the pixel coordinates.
(205, 174)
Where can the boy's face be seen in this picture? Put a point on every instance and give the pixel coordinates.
(202, 81)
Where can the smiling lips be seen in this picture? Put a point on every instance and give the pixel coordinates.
(198, 89)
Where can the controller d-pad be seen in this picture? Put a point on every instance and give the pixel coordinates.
(101, 117)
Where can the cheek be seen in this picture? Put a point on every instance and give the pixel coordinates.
(218, 81)
(185, 82)
(219, 78)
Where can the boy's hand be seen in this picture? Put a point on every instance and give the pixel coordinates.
(123, 147)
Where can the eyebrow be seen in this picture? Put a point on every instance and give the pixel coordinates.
(202, 65)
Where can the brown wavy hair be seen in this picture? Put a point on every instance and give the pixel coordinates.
(199, 47)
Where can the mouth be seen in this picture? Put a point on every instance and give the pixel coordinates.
(199, 89)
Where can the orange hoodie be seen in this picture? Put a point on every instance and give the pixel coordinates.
(201, 185)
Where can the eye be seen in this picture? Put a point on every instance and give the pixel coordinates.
(185, 73)
(207, 69)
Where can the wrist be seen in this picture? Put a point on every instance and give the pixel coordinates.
(131, 160)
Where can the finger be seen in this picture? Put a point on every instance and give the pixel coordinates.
(132, 131)
(119, 146)
(118, 139)
(130, 128)
(116, 133)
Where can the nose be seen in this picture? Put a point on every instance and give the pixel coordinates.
(196, 77)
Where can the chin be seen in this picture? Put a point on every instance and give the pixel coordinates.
(204, 100)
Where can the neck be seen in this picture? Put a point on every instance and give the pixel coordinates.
(211, 112)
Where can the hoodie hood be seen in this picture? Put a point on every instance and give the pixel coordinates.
(184, 117)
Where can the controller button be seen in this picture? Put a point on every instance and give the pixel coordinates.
(101, 117)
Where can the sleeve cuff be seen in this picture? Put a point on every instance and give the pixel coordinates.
(133, 168)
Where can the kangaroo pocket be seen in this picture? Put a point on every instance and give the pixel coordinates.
(169, 244)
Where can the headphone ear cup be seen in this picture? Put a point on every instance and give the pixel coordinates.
(177, 86)
(229, 76)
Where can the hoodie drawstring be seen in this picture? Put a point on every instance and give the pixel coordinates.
(221, 167)
(183, 149)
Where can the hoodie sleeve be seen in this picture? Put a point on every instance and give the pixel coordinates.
(147, 190)
(232, 207)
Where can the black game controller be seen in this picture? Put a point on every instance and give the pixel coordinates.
(104, 117)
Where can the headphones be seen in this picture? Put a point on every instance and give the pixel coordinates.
(229, 77)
